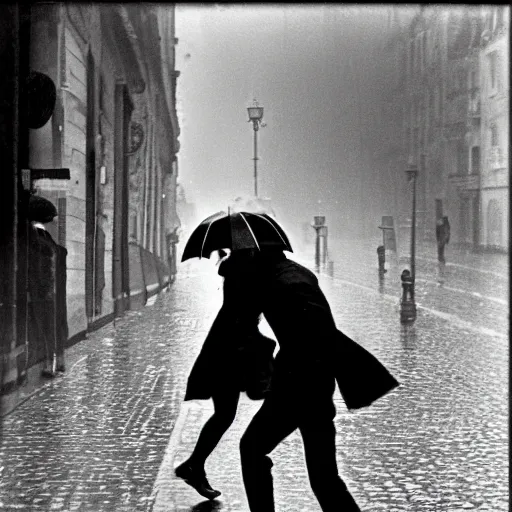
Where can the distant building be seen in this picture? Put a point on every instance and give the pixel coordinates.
(186, 213)
(494, 64)
(454, 109)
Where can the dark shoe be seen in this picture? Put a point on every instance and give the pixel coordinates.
(196, 478)
(48, 373)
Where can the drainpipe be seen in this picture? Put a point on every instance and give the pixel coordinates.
(14, 184)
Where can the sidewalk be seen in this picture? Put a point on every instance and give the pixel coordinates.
(456, 256)
(491, 262)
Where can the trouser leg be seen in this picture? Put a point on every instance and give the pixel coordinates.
(225, 405)
(43, 328)
(320, 451)
(270, 425)
(440, 253)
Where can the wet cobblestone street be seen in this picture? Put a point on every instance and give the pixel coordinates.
(105, 436)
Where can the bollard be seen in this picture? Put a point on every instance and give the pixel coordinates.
(408, 306)
(381, 255)
(330, 268)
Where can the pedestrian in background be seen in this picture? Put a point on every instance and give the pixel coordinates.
(443, 237)
(235, 357)
(46, 285)
(313, 354)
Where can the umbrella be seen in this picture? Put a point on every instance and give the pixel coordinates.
(238, 230)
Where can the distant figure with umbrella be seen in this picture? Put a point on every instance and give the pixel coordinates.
(313, 355)
(442, 237)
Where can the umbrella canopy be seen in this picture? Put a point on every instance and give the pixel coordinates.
(235, 231)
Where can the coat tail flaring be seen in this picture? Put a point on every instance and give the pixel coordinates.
(362, 378)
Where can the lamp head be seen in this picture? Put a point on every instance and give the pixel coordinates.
(255, 112)
(412, 169)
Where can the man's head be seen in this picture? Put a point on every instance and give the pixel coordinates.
(41, 210)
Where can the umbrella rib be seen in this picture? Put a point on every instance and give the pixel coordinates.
(204, 239)
(255, 241)
(275, 229)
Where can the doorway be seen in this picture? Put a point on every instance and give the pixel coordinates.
(90, 189)
(120, 260)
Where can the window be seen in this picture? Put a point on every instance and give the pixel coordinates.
(497, 18)
(419, 45)
(417, 54)
(475, 160)
(427, 113)
(425, 63)
(459, 159)
(500, 15)
(493, 70)
(411, 57)
(473, 83)
(133, 225)
(436, 103)
(494, 135)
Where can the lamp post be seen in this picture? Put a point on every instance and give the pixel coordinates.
(408, 305)
(255, 115)
(321, 230)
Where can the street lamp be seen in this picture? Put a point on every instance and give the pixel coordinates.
(255, 115)
(408, 309)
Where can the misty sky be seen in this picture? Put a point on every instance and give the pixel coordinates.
(295, 60)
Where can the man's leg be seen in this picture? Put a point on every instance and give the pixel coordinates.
(271, 424)
(440, 253)
(318, 435)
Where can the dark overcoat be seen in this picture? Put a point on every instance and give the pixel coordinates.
(310, 343)
(234, 348)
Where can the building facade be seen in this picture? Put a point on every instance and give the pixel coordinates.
(494, 64)
(455, 120)
(114, 126)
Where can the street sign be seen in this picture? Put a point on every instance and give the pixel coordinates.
(45, 179)
(51, 184)
(388, 233)
(53, 174)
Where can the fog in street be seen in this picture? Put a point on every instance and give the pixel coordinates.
(308, 66)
